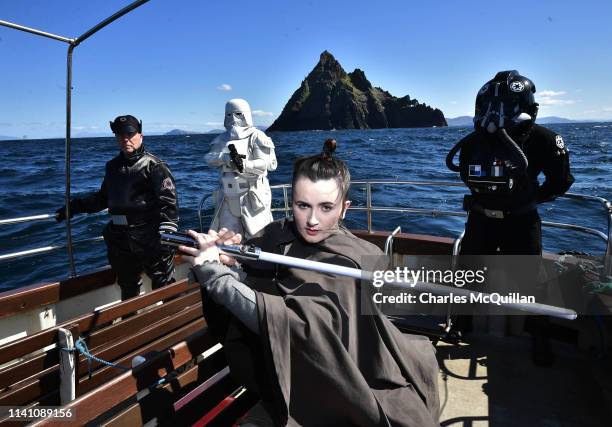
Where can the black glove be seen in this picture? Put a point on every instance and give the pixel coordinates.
(60, 214)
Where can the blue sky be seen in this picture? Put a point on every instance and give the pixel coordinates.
(175, 63)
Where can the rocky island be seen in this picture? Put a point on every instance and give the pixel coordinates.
(331, 98)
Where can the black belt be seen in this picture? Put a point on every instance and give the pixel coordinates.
(501, 214)
(133, 221)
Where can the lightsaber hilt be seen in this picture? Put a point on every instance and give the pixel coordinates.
(250, 252)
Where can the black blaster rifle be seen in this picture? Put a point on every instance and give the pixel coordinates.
(236, 158)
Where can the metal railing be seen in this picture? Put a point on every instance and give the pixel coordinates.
(27, 219)
(389, 243)
(44, 249)
(370, 208)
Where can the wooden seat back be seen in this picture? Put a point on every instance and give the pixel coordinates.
(33, 377)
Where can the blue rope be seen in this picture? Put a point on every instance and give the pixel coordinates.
(81, 347)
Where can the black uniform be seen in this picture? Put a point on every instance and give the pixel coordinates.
(505, 220)
(140, 194)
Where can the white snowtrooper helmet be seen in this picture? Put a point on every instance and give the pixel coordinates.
(237, 113)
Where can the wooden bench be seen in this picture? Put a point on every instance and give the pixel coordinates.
(33, 377)
(196, 386)
(195, 389)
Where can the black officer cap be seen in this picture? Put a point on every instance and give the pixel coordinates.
(126, 124)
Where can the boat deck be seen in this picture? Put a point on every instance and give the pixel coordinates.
(489, 380)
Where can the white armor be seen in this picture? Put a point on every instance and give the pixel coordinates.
(244, 198)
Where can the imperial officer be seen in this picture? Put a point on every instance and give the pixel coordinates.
(139, 191)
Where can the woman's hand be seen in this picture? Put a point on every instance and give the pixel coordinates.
(228, 237)
(207, 250)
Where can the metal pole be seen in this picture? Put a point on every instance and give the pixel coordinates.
(286, 201)
(369, 205)
(67, 364)
(608, 254)
(449, 308)
(26, 219)
(68, 152)
(107, 21)
(20, 254)
(389, 245)
(35, 31)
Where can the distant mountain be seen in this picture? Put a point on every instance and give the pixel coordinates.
(460, 121)
(7, 138)
(92, 135)
(181, 132)
(554, 119)
(218, 131)
(331, 98)
(468, 121)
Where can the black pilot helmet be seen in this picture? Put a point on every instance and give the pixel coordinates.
(506, 101)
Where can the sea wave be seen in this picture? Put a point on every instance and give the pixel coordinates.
(33, 183)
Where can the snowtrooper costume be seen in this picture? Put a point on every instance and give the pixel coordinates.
(243, 200)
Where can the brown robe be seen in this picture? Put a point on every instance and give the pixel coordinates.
(317, 360)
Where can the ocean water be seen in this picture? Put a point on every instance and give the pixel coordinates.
(32, 182)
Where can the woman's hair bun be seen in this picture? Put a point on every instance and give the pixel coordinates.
(323, 166)
(328, 148)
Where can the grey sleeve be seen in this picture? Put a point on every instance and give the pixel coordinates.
(224, 286)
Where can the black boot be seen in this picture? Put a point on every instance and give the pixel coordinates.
(131, 291)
